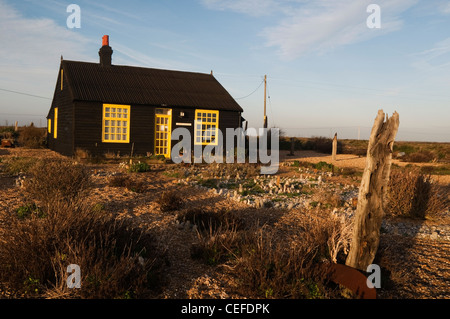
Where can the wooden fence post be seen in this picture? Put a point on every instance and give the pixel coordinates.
(292, 146)
(369, 211)
(334, 149)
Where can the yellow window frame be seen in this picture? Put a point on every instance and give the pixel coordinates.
(49, 125)
(206, 126)
(116, 123)
(55, 128)
(163, 131)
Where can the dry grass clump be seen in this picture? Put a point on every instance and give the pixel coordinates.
(267, 262)
(423, 156)
(219, 234)
(32, 137)
(275, 266)
(326, 199)
(412, 194)
(18, 165)
(170, 201)
(128, 182)
(116, 259)
(53, 181)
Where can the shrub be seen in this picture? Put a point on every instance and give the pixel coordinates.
(270, 268)
(58, 180)
(138, 167)
(322, 144)
(8, 132)
(412, 194)
(116, 258)
(32, 137)
(219, 232)
(326, 198)
(324, 166)
(419, 157)
(268, 263)
(170, 201)
(18, 165)
(127, 182)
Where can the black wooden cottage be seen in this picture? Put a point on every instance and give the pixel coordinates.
(101, 108)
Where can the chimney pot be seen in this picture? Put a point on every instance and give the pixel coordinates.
(105, 52)
(105, 40)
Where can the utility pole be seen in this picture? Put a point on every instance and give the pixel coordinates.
(265, 87)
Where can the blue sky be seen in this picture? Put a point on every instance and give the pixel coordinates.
(326, 70)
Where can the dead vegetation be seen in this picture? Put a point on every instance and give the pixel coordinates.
(412, 194)
(124, 244)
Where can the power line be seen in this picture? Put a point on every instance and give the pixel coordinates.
(27, 94)
(239, 98)
(18, 114)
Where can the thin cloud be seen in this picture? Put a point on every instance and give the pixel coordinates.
(321, 26)
(249, 7)
(429, 60)
(316, 26)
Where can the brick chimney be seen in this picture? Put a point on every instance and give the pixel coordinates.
(105, 52)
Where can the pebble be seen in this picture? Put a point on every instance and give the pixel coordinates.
(277, 187)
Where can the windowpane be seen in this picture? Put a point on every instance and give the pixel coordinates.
(206, 126)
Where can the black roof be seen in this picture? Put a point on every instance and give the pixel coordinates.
(147, 86)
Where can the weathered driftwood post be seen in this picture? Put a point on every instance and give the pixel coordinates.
(334, 149)
(369, 211)
(292, 147)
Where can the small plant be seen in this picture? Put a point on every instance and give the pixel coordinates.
(139, 167)
(324, 166)
(127, 182)
(170, 201)
(17, 165)
(26, 211)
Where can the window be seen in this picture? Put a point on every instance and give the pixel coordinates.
(55, 129)
(49, 125)
(206, 127)
(116, 123)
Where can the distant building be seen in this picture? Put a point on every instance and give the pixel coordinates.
(101, 107)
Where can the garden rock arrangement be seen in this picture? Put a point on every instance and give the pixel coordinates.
(309, 190)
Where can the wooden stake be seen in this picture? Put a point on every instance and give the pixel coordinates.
(369, 211)
(265, 86)
(334, 151)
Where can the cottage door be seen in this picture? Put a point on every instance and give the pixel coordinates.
(163, 127)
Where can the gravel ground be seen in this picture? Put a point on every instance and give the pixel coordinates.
(414, 265)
